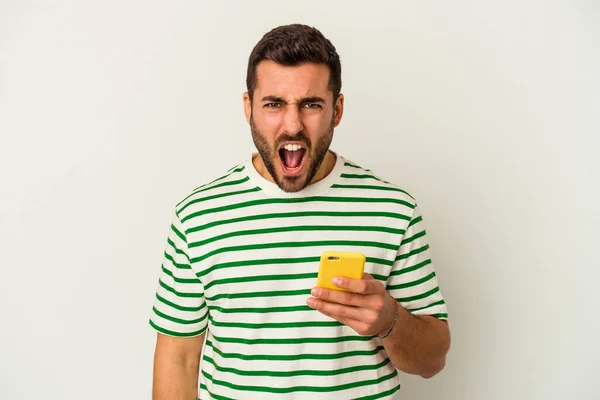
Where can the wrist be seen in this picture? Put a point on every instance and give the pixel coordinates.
(390, 327)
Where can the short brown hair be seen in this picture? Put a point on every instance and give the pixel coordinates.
(292, 45)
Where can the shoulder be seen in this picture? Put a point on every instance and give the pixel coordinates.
(364, 180)
(223, 182)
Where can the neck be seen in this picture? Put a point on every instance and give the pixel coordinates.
(325, 168)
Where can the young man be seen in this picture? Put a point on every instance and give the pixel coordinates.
(243, 254)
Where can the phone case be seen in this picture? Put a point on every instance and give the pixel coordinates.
(340, 263)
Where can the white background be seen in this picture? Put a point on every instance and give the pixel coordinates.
(487, 112)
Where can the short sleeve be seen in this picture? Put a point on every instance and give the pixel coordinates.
(179, 305)
(412, 281)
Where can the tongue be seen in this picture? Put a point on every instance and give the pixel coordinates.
(292, 158)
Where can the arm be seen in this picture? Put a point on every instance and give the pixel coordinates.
(176, 367)
(180, 318)
(420, 337)
(416, 344)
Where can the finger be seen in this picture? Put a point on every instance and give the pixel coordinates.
(340, 312)
(339, 296)
(345, 314)
(369, 302)
(361, 286)
(352, 323)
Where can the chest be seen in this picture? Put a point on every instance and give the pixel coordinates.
(271, 253)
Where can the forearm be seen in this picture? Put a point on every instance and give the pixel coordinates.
(418, 344)
(175, 380)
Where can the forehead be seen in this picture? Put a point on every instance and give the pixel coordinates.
(309, 79)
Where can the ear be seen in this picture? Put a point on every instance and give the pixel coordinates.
(247, 106)
(338, 110)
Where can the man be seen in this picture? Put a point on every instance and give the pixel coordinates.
(237, 287)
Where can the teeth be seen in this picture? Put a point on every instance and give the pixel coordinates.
(292, 147)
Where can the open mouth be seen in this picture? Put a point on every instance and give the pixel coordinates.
(292, 157)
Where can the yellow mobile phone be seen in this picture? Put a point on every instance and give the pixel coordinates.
(340, 263)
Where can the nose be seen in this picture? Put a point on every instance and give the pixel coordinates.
(292, 121)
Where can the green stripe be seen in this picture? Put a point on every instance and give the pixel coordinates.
(252, 203)
(413, 283)
(172, 244)
(247, 263)
(236, 167)
(179, 294)
(173, 333)
(299, 324)
(272, 261)
(412, 238)
(406, 270)
(300, 388)
(362, 176)
(179, 320)
(381, 278)
(294, 357)
(214, 395)
(440, 315)
(178, 307)
(352, 165)
(231, 171)
(369, 214)
(288, 341)
(295, 228)
(437, 303)
(420, 296)
(381, 261)
(176, 264)
(251, 295)
(260, 310)
(206, 187)
(260, 278)
(221, 195)
(380, 395)
(278, 245)
(177, 279)
(412, 252)
(370, 187)
(181, 236)
(415, 221)
(301, 372)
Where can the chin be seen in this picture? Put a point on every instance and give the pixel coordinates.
(292, 184)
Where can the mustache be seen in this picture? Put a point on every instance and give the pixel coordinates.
(298, 137)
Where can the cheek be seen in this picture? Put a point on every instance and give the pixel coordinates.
(316, 126)
(268, 123)
(263, 115)
(265, 122)
(272, 120)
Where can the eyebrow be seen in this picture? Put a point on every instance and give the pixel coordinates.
(311, 99)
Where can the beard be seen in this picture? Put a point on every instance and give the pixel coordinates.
(313, 157)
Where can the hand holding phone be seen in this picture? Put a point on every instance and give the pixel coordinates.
(340, 263)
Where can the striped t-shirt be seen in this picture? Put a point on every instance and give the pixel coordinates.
(241, 259)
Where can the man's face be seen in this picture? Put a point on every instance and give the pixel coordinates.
(292, 116)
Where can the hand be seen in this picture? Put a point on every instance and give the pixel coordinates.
(368, 308)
